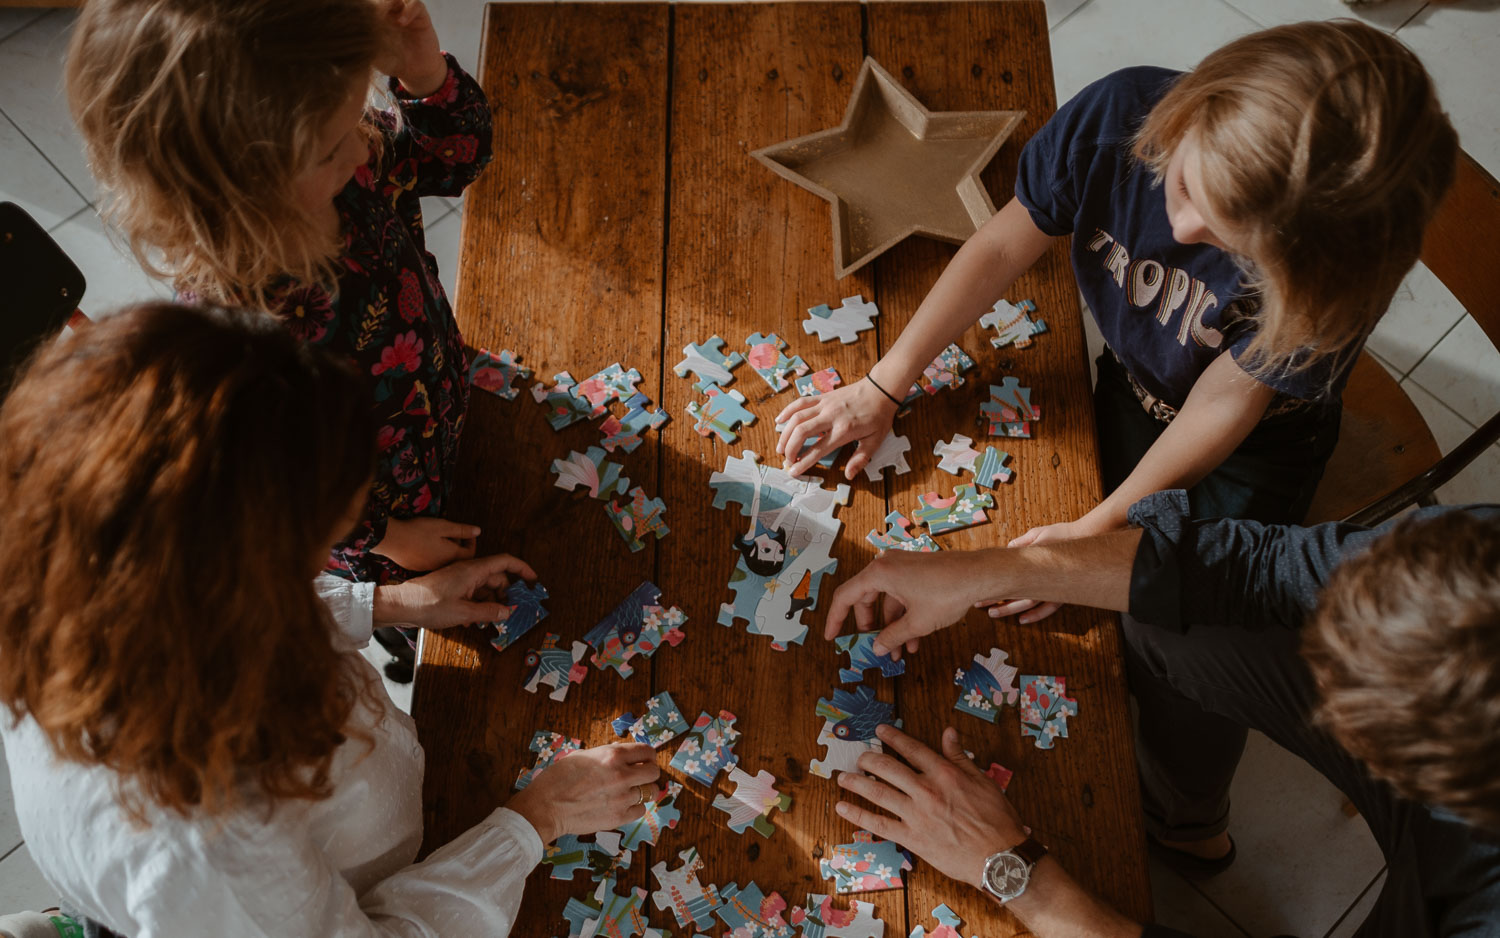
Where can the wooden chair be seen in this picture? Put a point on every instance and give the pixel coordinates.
(43, 288)
(1387, 459)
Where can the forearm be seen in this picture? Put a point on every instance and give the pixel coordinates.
(1055, 906)
(979, 274)
(1091, 571)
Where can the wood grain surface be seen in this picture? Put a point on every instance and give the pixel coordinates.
(624, 218)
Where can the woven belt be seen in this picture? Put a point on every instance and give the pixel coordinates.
(1163, 412)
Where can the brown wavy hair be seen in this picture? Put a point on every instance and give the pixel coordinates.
(169, 479)
(1405, 649)
(1325, 149)
(198, 114)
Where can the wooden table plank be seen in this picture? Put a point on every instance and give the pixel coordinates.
(749, 253)
(562, 263)
(1081, 797)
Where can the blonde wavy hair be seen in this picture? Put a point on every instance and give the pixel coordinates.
(198, 115)
(1324, 148)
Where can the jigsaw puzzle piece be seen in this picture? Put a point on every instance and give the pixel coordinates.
(627, 432)
(609, 384)
(999, 774)
(860, 649)
(844, 322)
(948, 922)
(721, 414)
(497, 374)
(990, 470)
(897, 536)
(637, 626)
(549, 747)
(946, 371)
(771, 363)
(708, 361)
(868, 864)
(1012, 323)
(751, 804)
(958, 454)
(986, 685)
(818, 383)
(1045, 708)
(613, 915)
(661, 723)
(526, 610)
(820, 919)
(558, 668)
(963, 509)
(563, 409)
(691, 902)
(890, 453)
(639, 518)
(599, 476)
(1009, 411)
(749, 913)
(855, 714)
(602, 857)
(661, 813)
(708, 749)
(840, 755)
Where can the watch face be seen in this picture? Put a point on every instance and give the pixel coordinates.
(1006, 876)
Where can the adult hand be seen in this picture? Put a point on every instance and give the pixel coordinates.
(415, 59)
(420, 544)
(462, 593)
(857, 412)
(589, 790)
(920, 593)
(940, 807)
(1031, 610)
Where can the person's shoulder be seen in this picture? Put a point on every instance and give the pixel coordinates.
(1114, 106)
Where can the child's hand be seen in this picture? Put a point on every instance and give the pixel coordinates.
(417, 60)
(857, 412)
(421, 544)
(462, 593)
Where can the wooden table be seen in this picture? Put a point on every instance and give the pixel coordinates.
(624, 218)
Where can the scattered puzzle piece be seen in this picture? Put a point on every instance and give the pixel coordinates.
(708, 361)
(1012, 323)
(1045, 708)
(563, 409)
(708, 749)
(599, 476)
(637, 626)
(821, 920)
(558, 668)
(526, 610)
(751, 914)
(946, 371)
(986, 684)
(890, 453)
(602, 857)
(999, 774)
(840, 755)
(626, 432)
(957, 454)
(607, 914)
(963, 509)
(1010, 411)
(818, 383)
(661, 723)
(661, 813)
(844, 322)
(856, 714)
(639, 518)
(692, 902)
(866, 865)
(771, 363)
(948, 922)
(610, 384)
(897, 536)
(549, 747)
(860, 649)
(721, 414)
(752, 802)
(497, 374)
(990, 470)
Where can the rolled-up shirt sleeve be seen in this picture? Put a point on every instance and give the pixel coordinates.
(352, 606)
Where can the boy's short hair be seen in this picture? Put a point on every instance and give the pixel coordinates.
(1405, 649)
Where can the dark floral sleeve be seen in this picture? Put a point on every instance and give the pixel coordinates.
(442, 142)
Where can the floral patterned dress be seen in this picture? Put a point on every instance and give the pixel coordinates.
(389, 314)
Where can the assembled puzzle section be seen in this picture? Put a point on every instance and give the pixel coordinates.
(897, 536)
(986, 685)
(709, 363)
(692, 902)
(549, 747)
(820, 919)
(497, 374)
(597, 475)
(754, 798)
(844, 323)
(609, 384)
(860, 647)
(771, 363)
(963, 509)
(709, 747)
(722, 414)
(524, 600)
(639, 625)
(785, 551)
(1009, 411)
(1012, 323)
(868, 864)
(556, 667)
(1045, 708)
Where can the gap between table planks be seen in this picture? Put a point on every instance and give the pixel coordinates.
(623, 218)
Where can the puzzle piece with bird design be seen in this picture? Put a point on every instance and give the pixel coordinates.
(558, 668)
(525, 603)
(637, 626)
(861, 651)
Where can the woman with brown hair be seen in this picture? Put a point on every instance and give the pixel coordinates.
(196, 743)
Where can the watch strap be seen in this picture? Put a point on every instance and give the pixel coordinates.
(1030, 850)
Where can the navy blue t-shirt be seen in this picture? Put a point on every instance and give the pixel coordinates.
(1167, 309)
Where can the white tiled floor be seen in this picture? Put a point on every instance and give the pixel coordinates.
(1284, 812)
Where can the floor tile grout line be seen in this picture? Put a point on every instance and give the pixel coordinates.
(1257, 23)
(11, 851)
(1418, 363)
(43, 154)
(1407, 22)
(1210, 900)
(1357, 899)
(83, 211)
(37, 15)
(1070, 14)
(1446, 406)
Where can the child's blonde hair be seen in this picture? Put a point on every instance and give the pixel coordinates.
(199, 114)
(1325, 150)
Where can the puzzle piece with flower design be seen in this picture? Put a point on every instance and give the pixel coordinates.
(948, 922)
(709, 748)
(721, 414)
(609, 384)
(661, 723)
(558, 668)
(603, 857)
(749, 913)
(525, 603)
(563, 409)
(963, 509)
(660, 814)
(1010, 411)
(1045, 708)
(1012, 323)
(860, 647)
(607, 914)
(497, 374)
(897, 536)
(868, 864)
(946, 371)
(637, 626)
(627, 432)
(754, 798)
(844, 322)
(600, 477)
(768, 360)
(691, 901)
(549, 747)
(819, 919)
(986, 685)
(638, 518)
(708, 361)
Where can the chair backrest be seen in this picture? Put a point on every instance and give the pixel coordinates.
(42, 289)
(1462, 245)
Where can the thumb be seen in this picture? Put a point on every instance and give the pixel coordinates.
(896, 634)
(457, 529)
(863, 451)
(1026, 539)
(953, 751)
(465, 612)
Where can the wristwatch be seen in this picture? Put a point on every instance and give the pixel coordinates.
(1007, 872)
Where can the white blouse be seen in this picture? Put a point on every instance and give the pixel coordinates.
(341, 866)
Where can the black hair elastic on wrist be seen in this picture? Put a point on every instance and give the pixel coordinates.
(882, 390)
